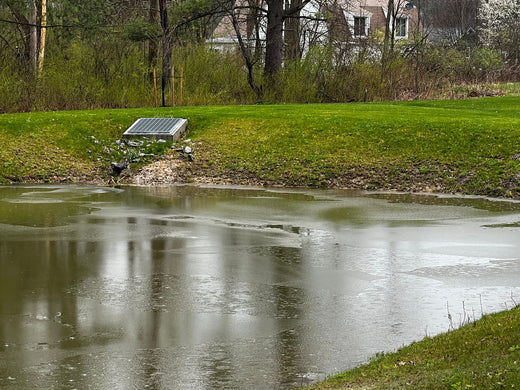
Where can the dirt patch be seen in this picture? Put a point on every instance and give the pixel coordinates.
(171, 169)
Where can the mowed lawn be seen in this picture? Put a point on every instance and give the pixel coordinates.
(468, 146)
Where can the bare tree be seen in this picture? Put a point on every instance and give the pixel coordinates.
(292, 33)
(244, 49)
(25, 17)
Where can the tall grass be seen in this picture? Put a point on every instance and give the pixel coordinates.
(101, 75)
(212, 77)
(12, 87)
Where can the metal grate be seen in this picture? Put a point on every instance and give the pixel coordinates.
(168, 128)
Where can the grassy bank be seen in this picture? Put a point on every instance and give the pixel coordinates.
(467, 146)
(481, 355)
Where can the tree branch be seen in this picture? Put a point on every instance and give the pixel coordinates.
(294, 10)
(29, 24)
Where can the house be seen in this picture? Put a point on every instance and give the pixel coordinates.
(350, 20)
(224, 36)
(346, 21)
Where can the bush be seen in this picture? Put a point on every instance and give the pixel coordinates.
(212, 77)
(84, 76)
(111, 71)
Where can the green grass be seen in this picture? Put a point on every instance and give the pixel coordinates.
(481, 355)
(69, 146)
(467, 146)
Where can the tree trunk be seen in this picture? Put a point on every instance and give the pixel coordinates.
(389, 31)
(33, 37)
(152, 43)
(292, 31)
(43, 33)
(166, 47)
(246, 54)
(253, 28)
(274, 38)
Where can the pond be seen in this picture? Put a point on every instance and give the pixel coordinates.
(185, 287)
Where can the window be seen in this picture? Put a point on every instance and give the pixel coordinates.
(360, 26)
(401, 27)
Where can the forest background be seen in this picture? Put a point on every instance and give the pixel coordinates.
(65, 54)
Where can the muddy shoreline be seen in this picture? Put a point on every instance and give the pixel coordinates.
(172, 170)
(208, 170)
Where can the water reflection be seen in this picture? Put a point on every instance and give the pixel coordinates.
(203, 288)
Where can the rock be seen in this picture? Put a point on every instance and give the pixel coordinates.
(134, 144)
(119, 167)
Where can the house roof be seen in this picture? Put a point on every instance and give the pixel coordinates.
(366, 7)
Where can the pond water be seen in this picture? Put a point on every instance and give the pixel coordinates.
(186, 287)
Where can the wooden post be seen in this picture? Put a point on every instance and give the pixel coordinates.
(173, 86)
(154, 87)
(180, 89)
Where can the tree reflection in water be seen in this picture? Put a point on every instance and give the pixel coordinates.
(190, 287)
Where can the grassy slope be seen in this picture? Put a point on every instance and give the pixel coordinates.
(54, 146)
(482, 355)
(456, 146)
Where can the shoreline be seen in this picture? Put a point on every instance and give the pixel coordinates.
(171, 170)
(467, 147)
